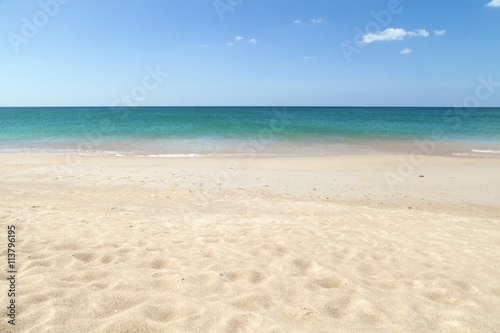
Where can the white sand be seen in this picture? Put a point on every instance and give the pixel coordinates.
(282, 245)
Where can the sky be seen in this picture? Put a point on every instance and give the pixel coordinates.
(250, 53)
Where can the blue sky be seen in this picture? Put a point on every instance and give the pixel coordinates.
(249, 52)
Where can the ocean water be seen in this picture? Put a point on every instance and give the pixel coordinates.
(249, 131)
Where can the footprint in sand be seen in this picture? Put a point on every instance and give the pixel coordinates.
(330, 282)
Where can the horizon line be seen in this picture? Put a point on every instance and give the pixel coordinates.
(246, 106)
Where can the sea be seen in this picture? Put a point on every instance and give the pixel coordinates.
(249, 131)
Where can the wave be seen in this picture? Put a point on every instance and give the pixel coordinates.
(171, 155)
(486, 151)
(61, 152)
(478, 153)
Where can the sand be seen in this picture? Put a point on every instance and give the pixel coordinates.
(332, 244)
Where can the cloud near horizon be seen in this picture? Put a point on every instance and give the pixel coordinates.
(439, 32)
(309, 58)
(317, 21)
(391, 34)
(494, 3)
(406, 51)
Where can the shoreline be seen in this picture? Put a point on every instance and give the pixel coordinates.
(256, 149)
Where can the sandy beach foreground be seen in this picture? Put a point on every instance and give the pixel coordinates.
(331, 244)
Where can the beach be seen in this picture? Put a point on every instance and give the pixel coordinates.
(384, 243)
(235, 166)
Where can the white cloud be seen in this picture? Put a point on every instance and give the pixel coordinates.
(204, 45)
(308, 58)
(387, 34)
(406, 51)
(494, 3)
(317, 21)
(418, 32)
(297, 21)
(252, 40)
(229, 44)
(393, 34)
(238, 38)
(440, 32)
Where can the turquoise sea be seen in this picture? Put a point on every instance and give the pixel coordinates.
(249, 131)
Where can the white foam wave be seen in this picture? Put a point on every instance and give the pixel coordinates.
(171, 155)
(486, 151)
